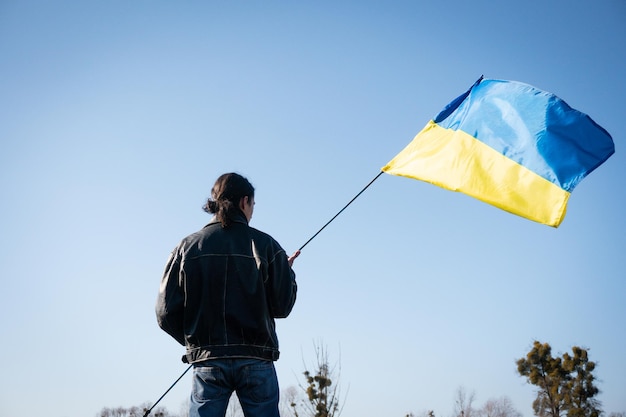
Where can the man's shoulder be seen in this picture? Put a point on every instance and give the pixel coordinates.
(199, 234)
(263, 237)
(259, 234)
(192, 239)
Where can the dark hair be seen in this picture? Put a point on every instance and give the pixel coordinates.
(228, 190)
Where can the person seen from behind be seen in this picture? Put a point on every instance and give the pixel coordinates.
(222, 288)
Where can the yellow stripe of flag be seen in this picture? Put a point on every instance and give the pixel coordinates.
(454, 160)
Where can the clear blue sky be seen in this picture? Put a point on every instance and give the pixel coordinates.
(117, 116)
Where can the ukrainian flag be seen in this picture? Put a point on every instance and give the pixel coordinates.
(510, 145)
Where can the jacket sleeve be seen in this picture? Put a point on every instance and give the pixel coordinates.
(282, 287)
(170, 301)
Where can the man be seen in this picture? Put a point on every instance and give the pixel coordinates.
(222, 288)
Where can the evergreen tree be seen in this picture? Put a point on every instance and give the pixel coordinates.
(565, 385)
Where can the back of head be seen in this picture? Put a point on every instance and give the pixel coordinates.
(228, 190)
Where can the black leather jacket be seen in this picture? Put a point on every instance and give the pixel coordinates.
(221, 291)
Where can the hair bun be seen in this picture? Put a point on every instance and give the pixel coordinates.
(211, 205)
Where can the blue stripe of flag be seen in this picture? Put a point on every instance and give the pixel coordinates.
(534, 128)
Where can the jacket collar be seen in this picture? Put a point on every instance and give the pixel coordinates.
(238, 217)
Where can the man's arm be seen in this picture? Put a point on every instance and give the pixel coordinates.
(282, 284)
(170, 301)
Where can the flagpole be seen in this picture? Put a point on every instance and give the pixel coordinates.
(147, 411)
(340, 211)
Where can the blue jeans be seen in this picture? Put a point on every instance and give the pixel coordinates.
(253, 380)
